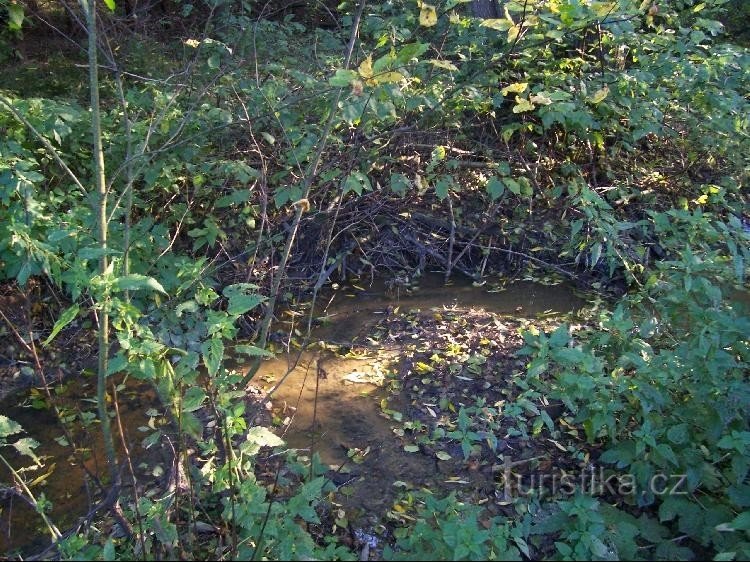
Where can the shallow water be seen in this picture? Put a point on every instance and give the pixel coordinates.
(345, 420)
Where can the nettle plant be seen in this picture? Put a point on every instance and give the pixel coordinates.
(662, 386)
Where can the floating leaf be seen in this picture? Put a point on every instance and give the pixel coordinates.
(427, 15)
(443, 456)
(411, 448)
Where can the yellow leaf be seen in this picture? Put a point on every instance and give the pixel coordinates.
(513, 33)
(387, 77)
(540, 99)
(423, 368)
(365, 68)
(522, 105)
(443, 64)
(500, 24)
(427, 16)
(599, 95)
(516, 88)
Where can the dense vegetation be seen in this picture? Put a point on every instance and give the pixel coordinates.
(248, 154)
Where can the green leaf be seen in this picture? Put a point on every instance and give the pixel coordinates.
(343, 78)
(596, 252)
(193, 399)
(239, 300)
(15, 16)
(388, 77)
(560, 337)
(495, 188)
(8, 427)
(512, 185)
(443, 186)
(252, 351)
(537, 367)
(111, 5)
(135, 282)
(400, 184)
(26, 447)
(411, 51)
(599, 95)
(357, 182)
(65, 318)
(234, 198)
(741, 522)
(213, 354)
(679, 434)
(214, 61)
(411, 448)
(108, 552)
(444, 64)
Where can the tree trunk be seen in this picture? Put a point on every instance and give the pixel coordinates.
(485, 9)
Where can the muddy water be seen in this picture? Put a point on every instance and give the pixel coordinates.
(345, 425)
(66, 485)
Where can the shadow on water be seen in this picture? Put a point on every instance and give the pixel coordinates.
(66, 485)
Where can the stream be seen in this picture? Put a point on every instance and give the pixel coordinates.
(345, 425)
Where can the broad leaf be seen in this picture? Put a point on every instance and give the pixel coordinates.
(136, 282)
(8, 427)
(427, 15)
(213, 355)
(252, 351)
(65, 318)
(239, 300)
